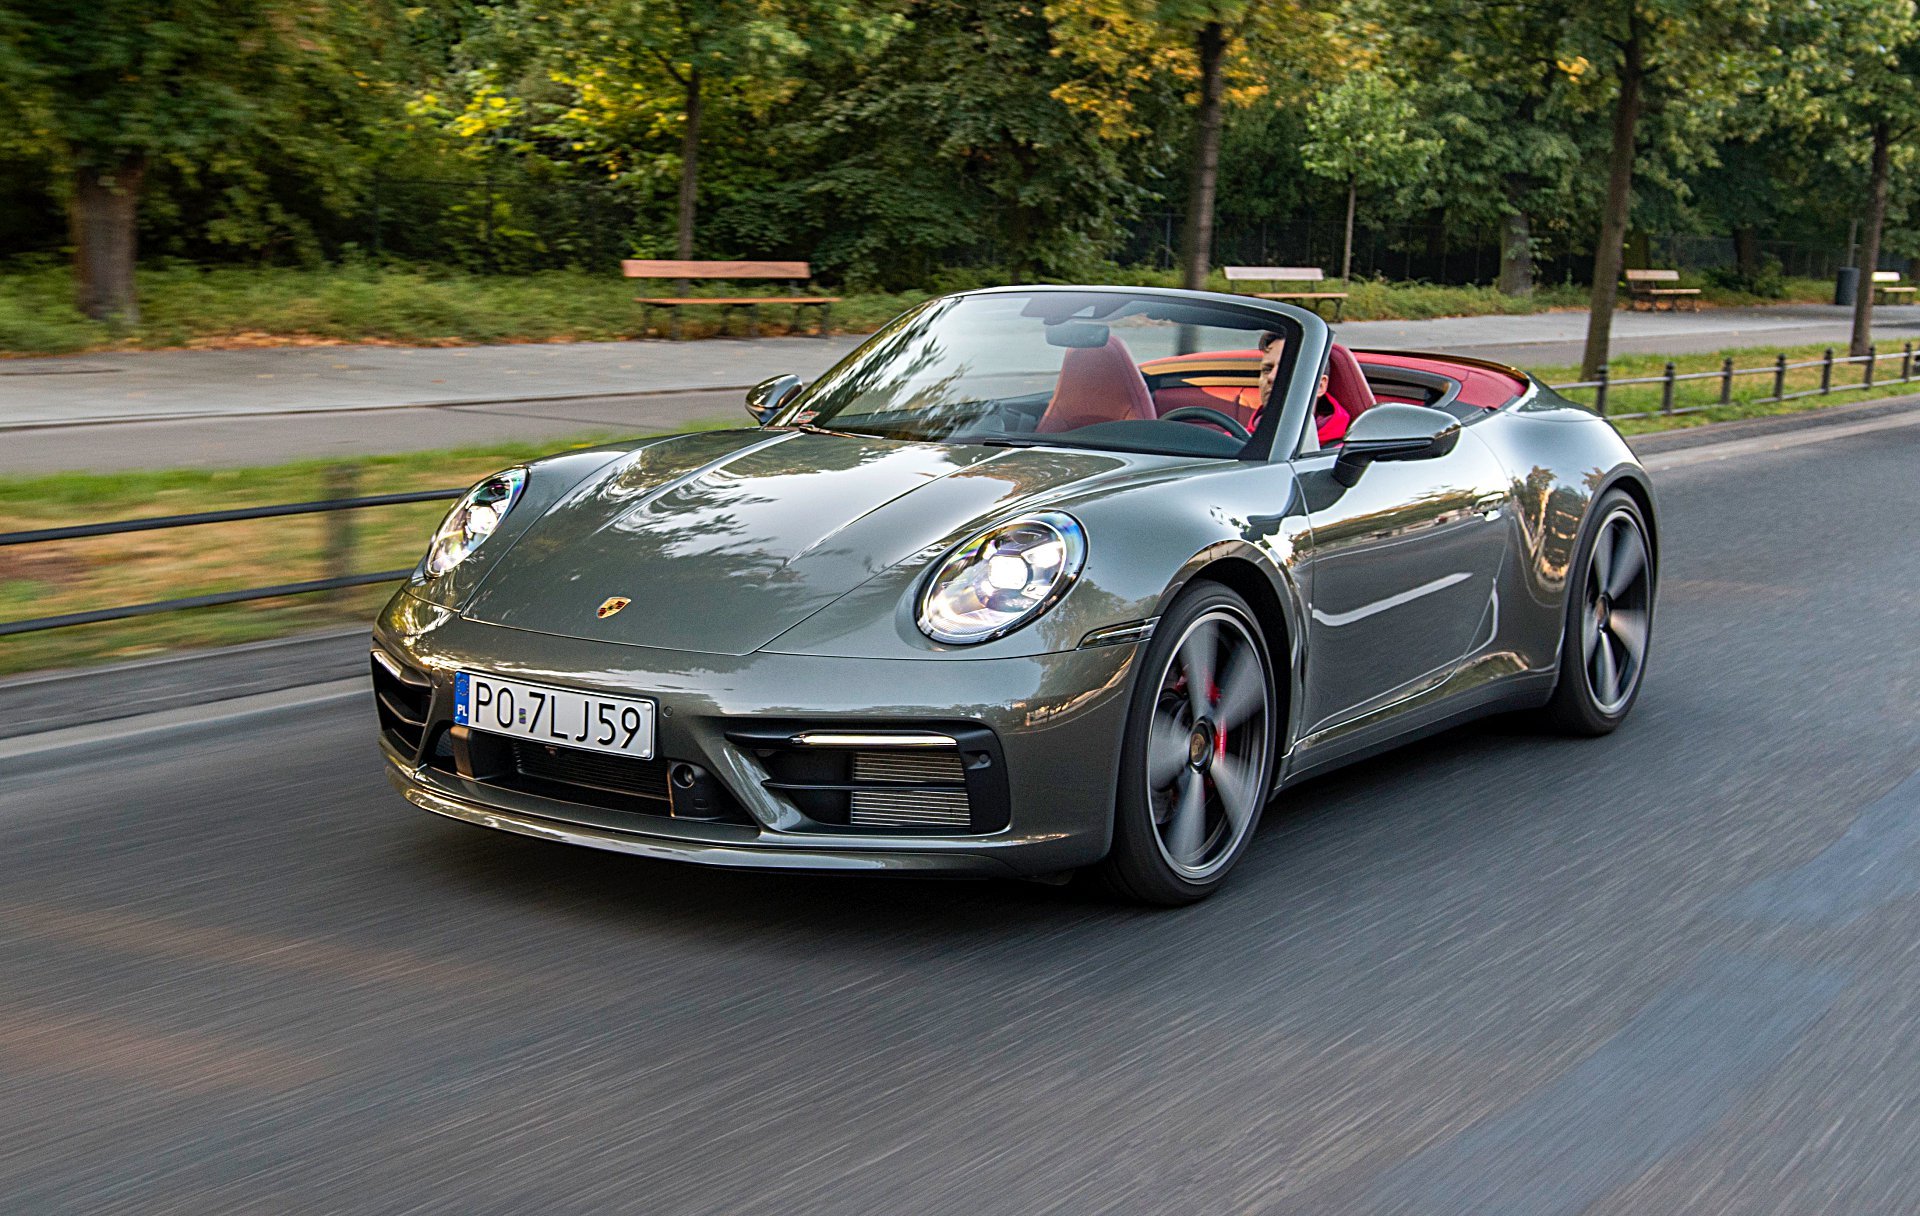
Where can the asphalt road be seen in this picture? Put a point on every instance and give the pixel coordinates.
(1672, 970)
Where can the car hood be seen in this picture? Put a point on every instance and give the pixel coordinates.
(723, 541)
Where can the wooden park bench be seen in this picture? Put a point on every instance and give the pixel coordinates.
(793, 272)
(1642, 289)
(1887, 288)
(1289, 274)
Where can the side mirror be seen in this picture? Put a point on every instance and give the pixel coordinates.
(1394, 432)
(767, 398)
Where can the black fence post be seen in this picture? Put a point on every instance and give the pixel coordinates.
(1826, 372)
(1780, 376)
(1666, 389)
(1726, 380)
(338, 482)
(1873, 356)
(1600, 391)
(1906, 362)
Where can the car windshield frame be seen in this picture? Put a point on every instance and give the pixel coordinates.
(1079, 316)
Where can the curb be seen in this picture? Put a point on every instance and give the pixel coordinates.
(28, 755)
(60, 674)
(1749, 443)
(1653, 442)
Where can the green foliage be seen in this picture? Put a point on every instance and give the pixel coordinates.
(887, 141)
(1766, 281)
(1367, 132)
(187, 305)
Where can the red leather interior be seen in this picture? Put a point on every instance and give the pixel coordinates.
(1346, 383)
(1097, 384)
(1480, 384)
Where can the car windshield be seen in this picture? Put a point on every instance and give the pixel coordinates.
(1106, 369)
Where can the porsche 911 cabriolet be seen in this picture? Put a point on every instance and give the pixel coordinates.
(1036, 580)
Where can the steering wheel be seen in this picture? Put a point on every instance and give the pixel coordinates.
(1209, 417)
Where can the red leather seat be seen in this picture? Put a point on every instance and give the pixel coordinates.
(1346, 383)
(1351, 394)
(1097, 384)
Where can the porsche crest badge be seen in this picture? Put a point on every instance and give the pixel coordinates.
(611, 605)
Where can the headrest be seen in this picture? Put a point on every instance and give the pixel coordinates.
(1097, 384)
(1346, 383)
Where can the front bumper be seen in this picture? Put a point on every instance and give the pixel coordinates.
(1056, 719)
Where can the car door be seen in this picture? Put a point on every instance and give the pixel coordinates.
(1401, 573)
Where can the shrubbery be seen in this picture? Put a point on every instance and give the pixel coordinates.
(1767, 281)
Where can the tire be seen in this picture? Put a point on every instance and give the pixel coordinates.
(1608, 626)
(1198, 756)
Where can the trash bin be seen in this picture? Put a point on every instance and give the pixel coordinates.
(1846, 285)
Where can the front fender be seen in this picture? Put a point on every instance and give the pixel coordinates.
(1144, 541)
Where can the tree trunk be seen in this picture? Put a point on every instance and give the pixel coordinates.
(1610, 250)
(1196, 239)
(1746, 251)
(689, 171)
(1870, 240)
(101, 220)
(1516, 244)
(1346, 246)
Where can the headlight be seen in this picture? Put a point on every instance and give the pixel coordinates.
(1002, 578)
(473, 519)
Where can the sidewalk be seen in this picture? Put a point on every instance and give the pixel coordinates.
(168, 384)
(220, 408)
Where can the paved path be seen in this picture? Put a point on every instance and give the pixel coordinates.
(1667, 971)
(226, 408)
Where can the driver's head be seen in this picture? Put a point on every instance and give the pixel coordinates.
(1272, 346)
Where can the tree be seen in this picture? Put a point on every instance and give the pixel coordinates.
(1669, 53)
(625, 58)
(104, 91)
(1365, 132)
(1490, 81)
(1224, 52)
(953, 140)
(1852, 78)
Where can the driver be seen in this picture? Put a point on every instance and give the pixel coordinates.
(1329, 416)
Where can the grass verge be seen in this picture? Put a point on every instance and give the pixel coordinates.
(1698, 402)
(195, 306)
(75, 576)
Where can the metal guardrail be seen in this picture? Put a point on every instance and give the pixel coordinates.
(337, 555)
(1669, 380)
(339, 542)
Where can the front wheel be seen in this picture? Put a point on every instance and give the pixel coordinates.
(1197, 759)
(1609, 621)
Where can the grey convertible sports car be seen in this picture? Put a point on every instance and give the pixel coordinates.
(1036, 579)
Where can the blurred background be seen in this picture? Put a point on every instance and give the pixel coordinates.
(279, 277)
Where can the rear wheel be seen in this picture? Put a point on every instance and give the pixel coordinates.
(1609, 621)
(1198, 756)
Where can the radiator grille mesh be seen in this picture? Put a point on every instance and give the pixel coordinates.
(917, 808)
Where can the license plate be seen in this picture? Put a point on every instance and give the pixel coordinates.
(561, 716)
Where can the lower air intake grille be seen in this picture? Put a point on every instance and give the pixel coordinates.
(910, 809)
(401, 698)
(608, 774)
(925, 807)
